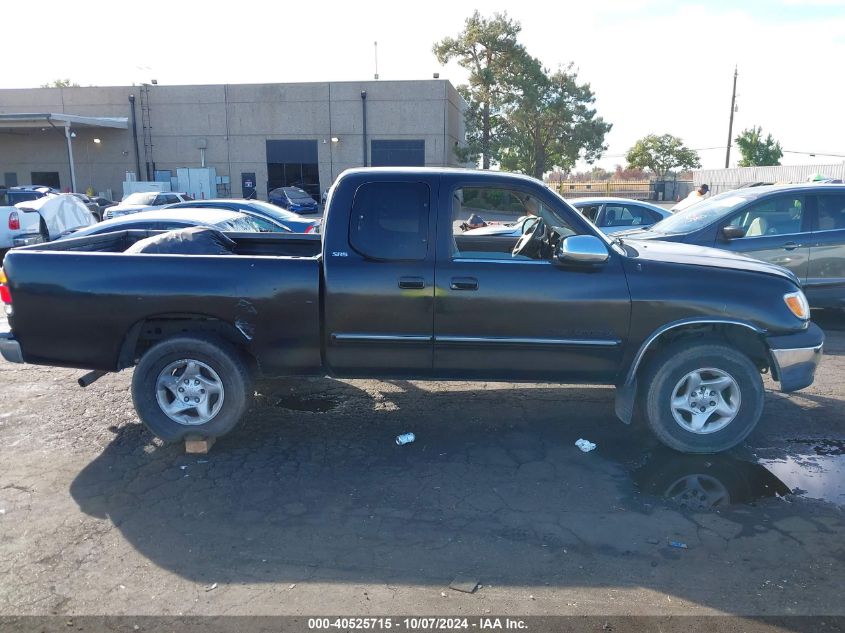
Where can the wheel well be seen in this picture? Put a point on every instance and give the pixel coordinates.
(737, 336)
(144, 334)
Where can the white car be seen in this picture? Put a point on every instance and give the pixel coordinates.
(43, 219)
(18, 228)
(144, 201)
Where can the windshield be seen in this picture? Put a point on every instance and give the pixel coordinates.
(298, 194)
(702, 213)
(141, 197)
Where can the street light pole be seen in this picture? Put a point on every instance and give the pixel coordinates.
(731, 123)
(69, 136)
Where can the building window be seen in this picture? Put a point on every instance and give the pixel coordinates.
(46, 179)
(293, 164)
(389, 221)
(398, 153)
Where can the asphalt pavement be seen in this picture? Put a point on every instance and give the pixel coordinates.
(310, 507)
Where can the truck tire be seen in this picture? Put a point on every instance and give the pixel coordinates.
(701, 396)
(191, 385)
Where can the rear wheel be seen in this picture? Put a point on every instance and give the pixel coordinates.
(702, 397)
(191, 385)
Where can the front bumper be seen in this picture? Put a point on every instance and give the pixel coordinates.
(10, 349)
(796, 356)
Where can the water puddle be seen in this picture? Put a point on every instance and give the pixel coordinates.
(702, 482)
(816, 471)
(310, 404)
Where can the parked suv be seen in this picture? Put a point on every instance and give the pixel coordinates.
(25, 193)
(799, 227)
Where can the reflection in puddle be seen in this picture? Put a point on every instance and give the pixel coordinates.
(817, 476)
(700, 482)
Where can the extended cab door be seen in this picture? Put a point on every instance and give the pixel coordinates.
(379, 274)
(500, 316)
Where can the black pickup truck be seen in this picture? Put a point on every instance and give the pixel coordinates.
(396, 288)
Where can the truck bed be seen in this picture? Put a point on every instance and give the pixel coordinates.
(268, 293)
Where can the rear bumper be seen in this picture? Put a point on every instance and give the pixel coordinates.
(10, 349)
(27, 240)
(796, 356)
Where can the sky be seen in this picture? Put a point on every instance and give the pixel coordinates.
(655, 66)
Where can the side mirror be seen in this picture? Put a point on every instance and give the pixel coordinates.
(581, 249)
(732, 232)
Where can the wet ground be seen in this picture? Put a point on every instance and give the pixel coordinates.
(310, 506)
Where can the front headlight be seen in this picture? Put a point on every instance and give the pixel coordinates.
(797, 304)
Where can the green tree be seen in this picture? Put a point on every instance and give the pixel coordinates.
(757, 151)
(553, 124)
(61, 83)
(488, 48)
(661, 154)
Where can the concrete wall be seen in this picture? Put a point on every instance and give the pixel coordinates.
(234, 121)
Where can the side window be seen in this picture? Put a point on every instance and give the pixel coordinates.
(487, 222)
(590, 212)
(831, 211)
(389, 220)
(158, 200)
(625, 215)
(778, 215)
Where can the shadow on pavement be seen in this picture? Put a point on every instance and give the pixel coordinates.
(313, 487)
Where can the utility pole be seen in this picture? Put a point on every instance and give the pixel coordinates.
(731, 123)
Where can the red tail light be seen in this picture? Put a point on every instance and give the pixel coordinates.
(311, 228)
(14, 221)
(5, 295)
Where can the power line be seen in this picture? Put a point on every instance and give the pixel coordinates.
(789, 151)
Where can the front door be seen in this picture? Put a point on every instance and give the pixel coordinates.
(505, 316)
(776, 231)
(378, 318)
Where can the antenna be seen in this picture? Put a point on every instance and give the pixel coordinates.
(375, 47)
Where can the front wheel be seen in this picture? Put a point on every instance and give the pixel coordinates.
(191, 385)
(702, 397)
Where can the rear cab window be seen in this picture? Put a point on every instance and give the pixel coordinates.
(390, 221)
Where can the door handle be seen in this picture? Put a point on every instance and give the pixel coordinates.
(464, 283)
(791, 246)
(411, 283)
